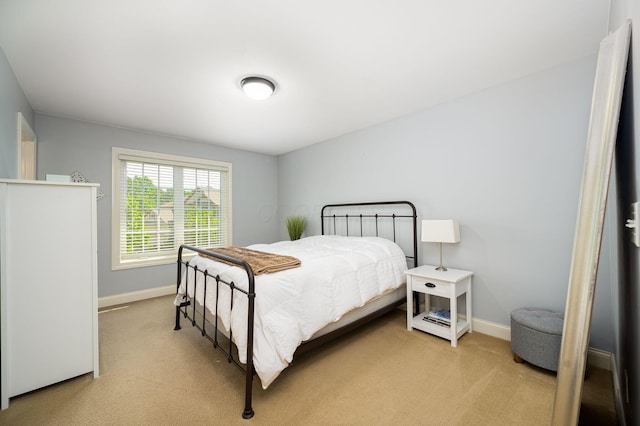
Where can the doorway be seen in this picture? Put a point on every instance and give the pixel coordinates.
(27, 150)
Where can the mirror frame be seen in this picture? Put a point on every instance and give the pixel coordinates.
(601, 139)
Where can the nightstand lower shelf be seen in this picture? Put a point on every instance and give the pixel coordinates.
(418, 322)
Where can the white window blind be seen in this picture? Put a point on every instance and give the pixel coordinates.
(165, 201)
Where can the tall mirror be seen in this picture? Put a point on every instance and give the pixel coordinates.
(603, 128)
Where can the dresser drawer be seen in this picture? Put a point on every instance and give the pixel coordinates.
(430, 286)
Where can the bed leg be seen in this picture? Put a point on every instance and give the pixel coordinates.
(181, 302)
(248, 410)
(247, 413)
(177, 327)
(249, 370)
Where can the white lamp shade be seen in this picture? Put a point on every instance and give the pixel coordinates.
(440, 231)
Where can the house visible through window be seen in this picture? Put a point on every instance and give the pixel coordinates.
(163, 201)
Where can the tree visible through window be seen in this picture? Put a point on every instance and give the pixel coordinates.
(163, 205)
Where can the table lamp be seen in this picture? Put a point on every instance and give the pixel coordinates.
(440, 231)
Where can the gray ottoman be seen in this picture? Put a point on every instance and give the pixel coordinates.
(536, 335)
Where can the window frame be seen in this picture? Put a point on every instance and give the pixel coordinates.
(117, 263)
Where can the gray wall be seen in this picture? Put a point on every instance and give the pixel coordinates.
(12, 101)
(65, 146)
(506, 162)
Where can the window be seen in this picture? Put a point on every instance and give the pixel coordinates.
(162, 201)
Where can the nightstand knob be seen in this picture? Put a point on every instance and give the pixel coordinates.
(430, 285)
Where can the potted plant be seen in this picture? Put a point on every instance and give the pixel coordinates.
(296, 226)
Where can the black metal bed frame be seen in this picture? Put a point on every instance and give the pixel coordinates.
(228, 348)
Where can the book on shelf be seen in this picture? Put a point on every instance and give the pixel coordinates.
(439, 316)
(437, 321)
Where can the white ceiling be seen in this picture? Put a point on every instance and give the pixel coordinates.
(174, 66)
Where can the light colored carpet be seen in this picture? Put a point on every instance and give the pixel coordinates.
(380, 374)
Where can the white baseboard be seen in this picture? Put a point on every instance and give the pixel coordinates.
(599, 359)
(135, 296)
(618, 397)
(500, 331)
(595, 357)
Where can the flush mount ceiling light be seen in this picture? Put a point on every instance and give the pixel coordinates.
(258, 88)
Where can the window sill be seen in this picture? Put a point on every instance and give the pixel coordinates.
(149, 261)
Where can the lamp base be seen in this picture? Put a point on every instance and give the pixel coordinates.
(441, 267)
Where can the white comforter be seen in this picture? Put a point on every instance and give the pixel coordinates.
(337, 275)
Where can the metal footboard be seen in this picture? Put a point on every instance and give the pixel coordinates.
(208, 279)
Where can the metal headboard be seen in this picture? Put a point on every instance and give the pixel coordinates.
(380, 219)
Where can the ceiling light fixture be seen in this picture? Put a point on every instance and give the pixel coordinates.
(258, 88)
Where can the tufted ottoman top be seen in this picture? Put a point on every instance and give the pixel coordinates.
(544, 320)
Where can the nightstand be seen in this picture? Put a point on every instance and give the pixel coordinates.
(448, 284)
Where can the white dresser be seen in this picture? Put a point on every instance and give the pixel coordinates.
(49, 284)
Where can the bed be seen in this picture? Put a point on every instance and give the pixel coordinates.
(320, 287)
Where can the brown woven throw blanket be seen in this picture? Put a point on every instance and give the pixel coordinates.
(261, 262)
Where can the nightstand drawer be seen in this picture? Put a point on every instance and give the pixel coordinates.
(430, 286)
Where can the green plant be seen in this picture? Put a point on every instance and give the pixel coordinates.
(296, 226)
